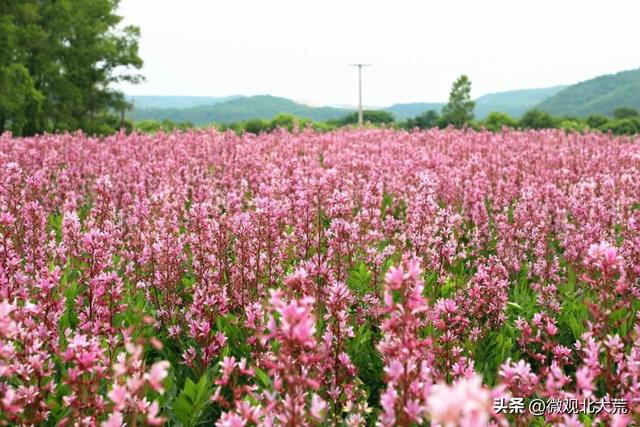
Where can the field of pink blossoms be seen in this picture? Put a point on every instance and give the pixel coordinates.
(347, 278)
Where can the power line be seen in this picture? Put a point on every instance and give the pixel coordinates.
(359, 65)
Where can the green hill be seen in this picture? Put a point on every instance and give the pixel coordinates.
(600, 95)
(513, 102)
(405, 111)
(159, 101)
(240, 109)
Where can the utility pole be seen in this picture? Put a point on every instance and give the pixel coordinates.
(133, 112)
(359, 65)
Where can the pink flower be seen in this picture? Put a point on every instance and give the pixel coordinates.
(152, 415)
(7, 326)
(604, 256)
(394, 370)
(9, 401)
(231, 420)
(118, 395)
(467, 402)
(115, 420)
(157, 374)
(7, 219)
(318, 407)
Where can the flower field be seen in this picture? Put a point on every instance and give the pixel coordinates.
(357, 277)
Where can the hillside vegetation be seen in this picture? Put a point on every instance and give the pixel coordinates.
(601, 95)
(241, 109)
(513, 102)
(160, 101)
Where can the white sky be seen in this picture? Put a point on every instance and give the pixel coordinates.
(301, 49)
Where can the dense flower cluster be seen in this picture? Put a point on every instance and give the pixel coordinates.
(358, 277)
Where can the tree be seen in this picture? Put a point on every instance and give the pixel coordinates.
(495, 121)
(537, 119)
(369, 116)
(459, 109)
(625, 113)
(426, 120)
(256, 126)
(628, 126)
(288, 122)
(572, 125)
(65, 56)
(596, 120)
(17, 93)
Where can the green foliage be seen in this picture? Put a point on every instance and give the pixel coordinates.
(324, 126)
(573, 312)
(153, 126)
(496, 121)
(628, 126)
(368, 361)
(572, 125)
(513, 102)
(427, 120)
(369, 116)
(236, 336)
(256, 126)
(190, 405)
(459, 110)
(413, 109)
(17, 91)
(58, 61)
(241, 109)
(625, 113)
(359, 280)
(538, 119)
(492, 351)
(289, 122)
(594, 121)
(281, 121)
(601, 95)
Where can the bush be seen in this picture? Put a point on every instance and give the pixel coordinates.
(495, 121)
(288, 122)
(595, 121)
(256, 126)
(573, 125)
(153, 126)
(622, 126)
(369, 116)
(625, 113)
(427, 120)
(537, 119)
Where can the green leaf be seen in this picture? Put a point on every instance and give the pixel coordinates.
(236, 337)
(359, 280)
(576, 328)
(514, 305)
(262, 377)
(366, 358)
(617, 315)
(190, 404)
(492, 351)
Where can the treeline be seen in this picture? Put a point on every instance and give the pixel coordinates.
(626, 121)
(459, 113)
(58, 63)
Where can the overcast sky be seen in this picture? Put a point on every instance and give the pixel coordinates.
(302, 49)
